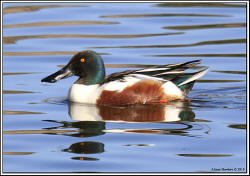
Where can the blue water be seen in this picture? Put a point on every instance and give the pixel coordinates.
(43, 132)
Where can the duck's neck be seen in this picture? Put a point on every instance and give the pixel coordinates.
(93, 77)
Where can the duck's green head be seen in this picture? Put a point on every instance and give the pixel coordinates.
(88, 65)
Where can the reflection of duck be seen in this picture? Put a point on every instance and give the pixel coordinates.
(86, 147)
(145, 86)
(175, 111)
(85, 128)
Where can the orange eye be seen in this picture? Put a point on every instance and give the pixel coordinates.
(82, 60)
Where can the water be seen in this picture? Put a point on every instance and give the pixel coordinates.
(43, 132)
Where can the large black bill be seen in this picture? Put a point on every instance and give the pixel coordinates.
(65, 72)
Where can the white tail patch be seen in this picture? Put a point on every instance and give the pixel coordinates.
(194, 77)
(172, 90)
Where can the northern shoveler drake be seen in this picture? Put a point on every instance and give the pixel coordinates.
(158, 84)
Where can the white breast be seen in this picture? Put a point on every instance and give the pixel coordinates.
(84, 93)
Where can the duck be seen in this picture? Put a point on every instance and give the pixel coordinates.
(155, 85)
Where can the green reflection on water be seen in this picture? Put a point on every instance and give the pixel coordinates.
(200, 4)
(238, 126)
(206, 26)
(204, 155)
(210, 42)
(31, 8)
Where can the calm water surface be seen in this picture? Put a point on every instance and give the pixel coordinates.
(43, 132)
